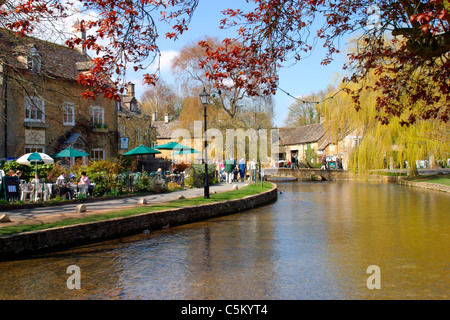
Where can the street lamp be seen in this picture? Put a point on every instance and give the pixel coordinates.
(259, 158)
(204, 97)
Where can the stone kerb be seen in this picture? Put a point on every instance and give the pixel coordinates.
(426, 185)
(57, 238)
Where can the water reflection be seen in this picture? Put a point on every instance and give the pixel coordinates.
(315, 242)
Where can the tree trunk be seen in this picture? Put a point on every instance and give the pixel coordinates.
(413, 169)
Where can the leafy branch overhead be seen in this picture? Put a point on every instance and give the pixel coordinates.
(405, 41)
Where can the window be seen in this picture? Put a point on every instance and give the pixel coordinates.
(34, 109)
(119, 105)
(68, 114)
(34, 61)
(97, 116)
(133, 107)
(122, 130)
(31, 149)
(97, 154)
(138, 136)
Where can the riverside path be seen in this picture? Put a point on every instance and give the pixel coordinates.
(54, 213)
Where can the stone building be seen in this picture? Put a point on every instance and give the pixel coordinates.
(41, 107)
(133, 124)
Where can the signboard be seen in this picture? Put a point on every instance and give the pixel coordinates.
(124, 143)
(10, 188)
(35, 137)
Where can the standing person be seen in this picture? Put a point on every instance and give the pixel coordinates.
(252, 167)
(229, 166)
(324, 163)
(242, 167)
(292, 162)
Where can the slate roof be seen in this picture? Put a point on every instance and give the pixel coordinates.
(301, 135)
(56, 60)
(164, 130)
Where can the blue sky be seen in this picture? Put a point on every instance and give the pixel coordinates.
(303, 78)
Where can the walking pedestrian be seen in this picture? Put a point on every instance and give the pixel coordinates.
(229, 166)
(324, 163)
(242, 167)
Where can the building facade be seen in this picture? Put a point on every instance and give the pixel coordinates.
(41, 104)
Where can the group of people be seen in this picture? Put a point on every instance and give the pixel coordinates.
(232, 170)
(64, 184)
(338, 165)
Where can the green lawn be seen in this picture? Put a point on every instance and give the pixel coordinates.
(223, 196)
(441, 179)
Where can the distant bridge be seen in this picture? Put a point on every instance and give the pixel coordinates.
(306, 174)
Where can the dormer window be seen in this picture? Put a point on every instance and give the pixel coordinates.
(133, 107)
(34, 62)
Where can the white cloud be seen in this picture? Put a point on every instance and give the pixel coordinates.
(165, 60)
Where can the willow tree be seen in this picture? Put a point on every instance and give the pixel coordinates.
(384, 143)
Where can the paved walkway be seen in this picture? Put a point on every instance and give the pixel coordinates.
(54, 213)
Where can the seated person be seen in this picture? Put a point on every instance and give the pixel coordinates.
(37, 179)
(64, 186)
(84, 180)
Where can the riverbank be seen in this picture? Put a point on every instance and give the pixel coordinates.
(437, 182)
(150, 218)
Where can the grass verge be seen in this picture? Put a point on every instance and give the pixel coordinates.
(440, 179)
(217, 197)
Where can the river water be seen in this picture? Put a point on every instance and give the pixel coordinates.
(316, 242)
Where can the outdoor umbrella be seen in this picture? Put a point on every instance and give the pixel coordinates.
(185, 151)
(35, 158)
(172, 146)
(176, 147)
(70, 153)
(140, 151)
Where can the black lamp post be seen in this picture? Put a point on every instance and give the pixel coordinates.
(204, 97)
(259, 159)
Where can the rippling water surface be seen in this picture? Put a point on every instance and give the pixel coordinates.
(315, 242)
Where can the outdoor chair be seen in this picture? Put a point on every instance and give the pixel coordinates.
(26, 191)
(38, 191)
(82, 190)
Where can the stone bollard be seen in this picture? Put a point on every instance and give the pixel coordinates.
(142, 201)
(81, 208)
(4, 218)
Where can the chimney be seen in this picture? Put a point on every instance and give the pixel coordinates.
(130, 89)
(166, 118)
(322, 119)
(79, 34)
(154, 116)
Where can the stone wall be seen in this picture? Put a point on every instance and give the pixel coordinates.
(426, 185)
(28, 243)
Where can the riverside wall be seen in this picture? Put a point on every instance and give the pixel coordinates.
(29, 243)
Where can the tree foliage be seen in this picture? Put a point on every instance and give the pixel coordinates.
(278, 31)
(160, 99)
(382, 143)
(268, 35)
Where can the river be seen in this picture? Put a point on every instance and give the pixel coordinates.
(316, 242)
